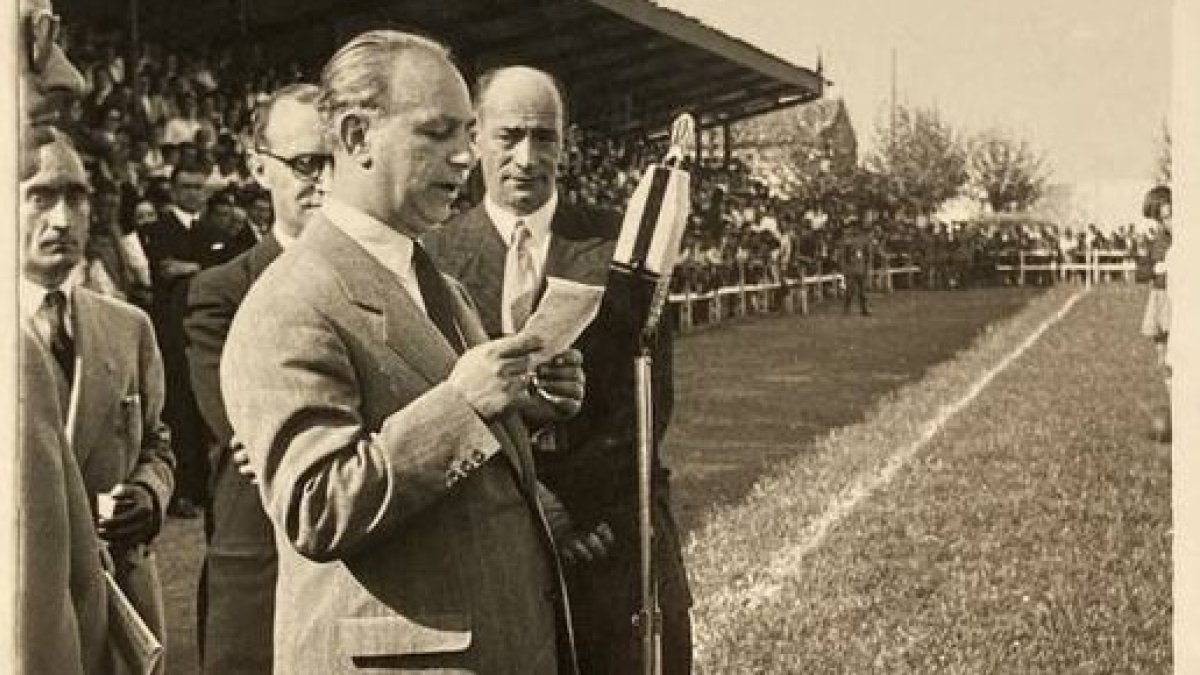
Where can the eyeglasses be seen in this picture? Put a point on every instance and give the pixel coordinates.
(305, 166)
(41, 34)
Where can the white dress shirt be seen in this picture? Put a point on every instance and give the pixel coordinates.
(393, 250)
(33, 295)
(538, 224)
(188, 220)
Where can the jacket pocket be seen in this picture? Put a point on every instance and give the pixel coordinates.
(396, 635)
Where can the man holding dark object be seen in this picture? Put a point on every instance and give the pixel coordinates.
(503, 250)
(109, 369)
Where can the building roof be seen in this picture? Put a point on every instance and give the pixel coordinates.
(628, 65)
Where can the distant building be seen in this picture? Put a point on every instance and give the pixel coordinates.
(786, 147)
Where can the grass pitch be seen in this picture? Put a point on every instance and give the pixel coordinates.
(1031, 534)
(752, 397)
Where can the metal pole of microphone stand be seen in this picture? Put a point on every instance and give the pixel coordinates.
(649, 616)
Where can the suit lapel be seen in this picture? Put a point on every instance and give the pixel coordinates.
(471, 251)
(578, 251)
(93, 393)
(374, 289)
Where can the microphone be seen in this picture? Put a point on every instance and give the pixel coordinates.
(651, 232)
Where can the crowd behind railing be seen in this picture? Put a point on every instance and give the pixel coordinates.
(142, 117)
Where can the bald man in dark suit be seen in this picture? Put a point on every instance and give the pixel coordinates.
(502, 251)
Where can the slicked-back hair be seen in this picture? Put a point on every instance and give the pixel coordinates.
(358, 77)
(483, 83)
(301, 92)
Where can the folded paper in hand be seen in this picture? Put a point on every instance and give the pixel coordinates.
(135, 648)
(562, 314)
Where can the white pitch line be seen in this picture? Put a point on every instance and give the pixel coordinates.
(786, 561)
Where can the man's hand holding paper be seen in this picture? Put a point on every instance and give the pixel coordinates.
(563, 313)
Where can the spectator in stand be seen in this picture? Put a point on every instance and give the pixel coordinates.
(182, 242)
(256, 202)
(108, 266)
(182, 127)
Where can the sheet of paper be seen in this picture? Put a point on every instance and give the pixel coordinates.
(563, 313)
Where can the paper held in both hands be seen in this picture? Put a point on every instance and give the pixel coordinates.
(562, 314)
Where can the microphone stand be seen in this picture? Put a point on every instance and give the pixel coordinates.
(649, 616)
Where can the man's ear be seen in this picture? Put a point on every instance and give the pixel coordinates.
(352, 133)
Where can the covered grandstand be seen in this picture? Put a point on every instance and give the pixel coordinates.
(628, 66)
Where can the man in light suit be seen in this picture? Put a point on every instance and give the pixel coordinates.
(62, 603)
(384, 430)
(237, 587)
(109, 376)
(61, 618)
(589, 461)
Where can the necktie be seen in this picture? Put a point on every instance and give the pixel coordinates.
(437, 297)
(524, 277)
(54, 315)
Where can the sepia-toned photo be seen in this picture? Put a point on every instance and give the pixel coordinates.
(601, 337)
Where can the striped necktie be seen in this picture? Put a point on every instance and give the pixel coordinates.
(524, 276)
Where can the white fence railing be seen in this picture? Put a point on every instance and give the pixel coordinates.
(794, 294)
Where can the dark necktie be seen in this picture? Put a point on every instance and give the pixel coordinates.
(54, 313)
(436, 296)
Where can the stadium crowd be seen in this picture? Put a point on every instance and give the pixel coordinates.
(167, 140)
(138, 121)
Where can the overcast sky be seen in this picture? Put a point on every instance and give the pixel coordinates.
(1085, 81)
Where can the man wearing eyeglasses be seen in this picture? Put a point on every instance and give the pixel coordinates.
(237, 587)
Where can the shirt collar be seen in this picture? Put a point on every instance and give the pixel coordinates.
(34, 294)
(284, 240)
(392, 249)
(188, 219)
(538, 222)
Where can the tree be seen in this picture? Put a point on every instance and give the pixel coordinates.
(1006, 171)
(920, 159)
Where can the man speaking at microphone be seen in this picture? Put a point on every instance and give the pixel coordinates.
(383, 429)
(502, 251)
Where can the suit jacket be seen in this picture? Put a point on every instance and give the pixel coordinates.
(594, 471)
(408, 534)
(115, 428)
(202, 244)
(62, 610)
(237, 587)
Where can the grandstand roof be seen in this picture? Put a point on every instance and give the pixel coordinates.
(627, 65)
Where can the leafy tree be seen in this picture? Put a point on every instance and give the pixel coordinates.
(921, 160)
(1006, 172)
